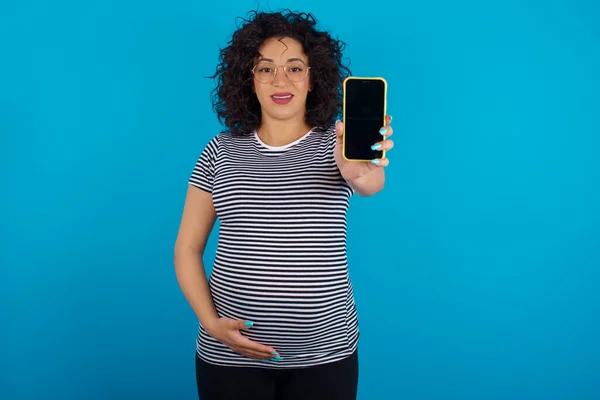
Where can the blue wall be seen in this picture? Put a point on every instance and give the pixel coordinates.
(476, 271)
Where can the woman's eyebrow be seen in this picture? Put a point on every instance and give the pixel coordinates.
(289, 59)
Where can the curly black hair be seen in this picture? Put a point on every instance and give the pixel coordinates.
(233, 99)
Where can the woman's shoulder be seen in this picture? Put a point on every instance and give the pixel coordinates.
(324, 133)
(327, 135)
(225, 138)
(213, 143)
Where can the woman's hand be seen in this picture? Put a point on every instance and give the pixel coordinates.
(352, 170)
(227, 331)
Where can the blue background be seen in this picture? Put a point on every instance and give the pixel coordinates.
(476, 271)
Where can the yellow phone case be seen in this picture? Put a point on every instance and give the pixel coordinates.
(344, 112)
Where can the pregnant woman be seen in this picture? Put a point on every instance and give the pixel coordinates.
(277, 317)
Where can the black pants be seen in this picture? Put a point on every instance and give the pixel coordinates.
(333, 381)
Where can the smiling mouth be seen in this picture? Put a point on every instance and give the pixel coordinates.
(282, 98)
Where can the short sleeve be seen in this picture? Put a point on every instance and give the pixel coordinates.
(203, 175)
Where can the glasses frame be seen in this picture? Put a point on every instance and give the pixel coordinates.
(284, 71)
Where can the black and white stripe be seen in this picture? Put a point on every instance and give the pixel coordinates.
(281, 256)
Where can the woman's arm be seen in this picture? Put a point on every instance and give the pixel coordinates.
(197, 222)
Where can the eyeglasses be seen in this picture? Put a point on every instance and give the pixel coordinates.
(265, 71)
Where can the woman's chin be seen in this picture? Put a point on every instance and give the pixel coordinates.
(285, 115)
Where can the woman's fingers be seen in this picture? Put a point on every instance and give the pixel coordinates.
(381, 162)
(256, 354)
(383, 145)
(386, 131)
(250, 346)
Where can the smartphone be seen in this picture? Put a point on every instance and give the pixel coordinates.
(363, 116)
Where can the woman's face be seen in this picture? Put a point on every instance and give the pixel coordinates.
(282, 98)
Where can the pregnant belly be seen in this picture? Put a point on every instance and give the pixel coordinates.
(296, 314)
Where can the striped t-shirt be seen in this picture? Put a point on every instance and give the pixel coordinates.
(281, 254)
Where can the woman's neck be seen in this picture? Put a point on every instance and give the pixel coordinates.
(281, 132)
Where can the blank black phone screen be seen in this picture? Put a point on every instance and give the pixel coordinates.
(364, 117)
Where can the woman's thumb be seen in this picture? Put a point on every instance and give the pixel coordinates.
(245, 325)
(339, 128)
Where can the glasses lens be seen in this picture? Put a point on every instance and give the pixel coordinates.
(264, 71)
(296, 70)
